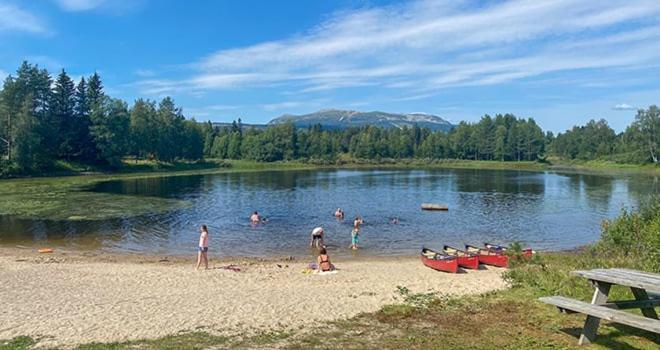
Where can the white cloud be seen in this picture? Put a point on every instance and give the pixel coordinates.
(108, 7)
(13, 18)
(424, 46)
(145, 73)
(623, 107)
(79, 5)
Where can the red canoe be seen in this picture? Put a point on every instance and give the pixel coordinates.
(439, 261)
(526, 253)
(465, 259)
(489, 257)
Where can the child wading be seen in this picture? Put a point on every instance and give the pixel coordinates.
(203, 248)
(355, 233)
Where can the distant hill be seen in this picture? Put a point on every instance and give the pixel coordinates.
(339, 119)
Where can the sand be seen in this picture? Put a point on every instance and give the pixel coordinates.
(70, 299)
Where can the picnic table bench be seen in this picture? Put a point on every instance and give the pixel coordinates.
(645, 286)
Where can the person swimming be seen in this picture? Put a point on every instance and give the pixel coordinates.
(394, 221)
(255, 218)
(339, 213)
(317, 238)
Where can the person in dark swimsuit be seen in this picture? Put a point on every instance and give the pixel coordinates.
(323, 261)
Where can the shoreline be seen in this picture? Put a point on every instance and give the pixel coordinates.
(76, 299)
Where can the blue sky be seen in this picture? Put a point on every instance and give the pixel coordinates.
(562, 62)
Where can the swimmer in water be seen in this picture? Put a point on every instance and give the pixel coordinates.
(255, 218)
(339, 213)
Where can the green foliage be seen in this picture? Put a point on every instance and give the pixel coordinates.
(42, 123)
(629, 241)
(489, 139)
(596, 140)
(635, 235)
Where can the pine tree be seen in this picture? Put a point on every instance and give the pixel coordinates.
(62, 114)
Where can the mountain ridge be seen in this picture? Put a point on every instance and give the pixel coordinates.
(339, 119)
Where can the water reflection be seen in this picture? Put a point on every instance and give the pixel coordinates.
(547, 210)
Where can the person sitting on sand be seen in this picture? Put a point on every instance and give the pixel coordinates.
(255, 218)
(317, 238)
(323, 261)
(203, 247)
(339, 213)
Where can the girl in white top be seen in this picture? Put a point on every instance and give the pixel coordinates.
(203, 247)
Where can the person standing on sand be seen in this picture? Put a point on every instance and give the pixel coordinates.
(203, 248)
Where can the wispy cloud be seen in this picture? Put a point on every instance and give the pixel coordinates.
(623, 107)
(145, 73)
(210, 111)
(113, 7)
(79, 5)
(424, 46)
(13, 18)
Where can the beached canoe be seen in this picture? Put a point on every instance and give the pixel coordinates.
(526, 253)
(465, 259)
(489, 257)
(434, 206)
(439, 261)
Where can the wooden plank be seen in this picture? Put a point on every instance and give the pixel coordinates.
(632, 304)
(632, 274)
(619, 278)
(640, 294)
(639, 273)
(592, 322)
(604, 313)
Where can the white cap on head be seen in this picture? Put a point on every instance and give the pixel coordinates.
(317, 230)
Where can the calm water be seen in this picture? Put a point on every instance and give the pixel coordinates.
(545, 210)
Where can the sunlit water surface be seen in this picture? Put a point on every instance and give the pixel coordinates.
(545, 210)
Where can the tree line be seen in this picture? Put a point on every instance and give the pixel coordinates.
(503, 137)
(44, 121)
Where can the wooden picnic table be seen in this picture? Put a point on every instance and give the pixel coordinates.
(640, 283)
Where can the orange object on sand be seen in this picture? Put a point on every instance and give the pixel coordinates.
(45, 250)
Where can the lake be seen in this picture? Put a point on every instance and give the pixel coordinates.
(546, 210)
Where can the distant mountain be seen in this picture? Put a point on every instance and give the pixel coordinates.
(339, 119)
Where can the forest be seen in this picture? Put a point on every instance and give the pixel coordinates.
(45, 121)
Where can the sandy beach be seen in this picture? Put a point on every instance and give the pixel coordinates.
(69, 298)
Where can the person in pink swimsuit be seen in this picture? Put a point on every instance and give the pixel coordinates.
(203, 248)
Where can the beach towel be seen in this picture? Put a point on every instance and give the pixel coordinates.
(234, 268)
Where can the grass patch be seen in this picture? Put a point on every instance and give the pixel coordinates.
(18, 343)
(183, 341)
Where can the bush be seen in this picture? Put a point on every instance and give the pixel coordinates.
(635, 235)
(632, 240)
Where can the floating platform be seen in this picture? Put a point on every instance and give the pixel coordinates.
(434, 206)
